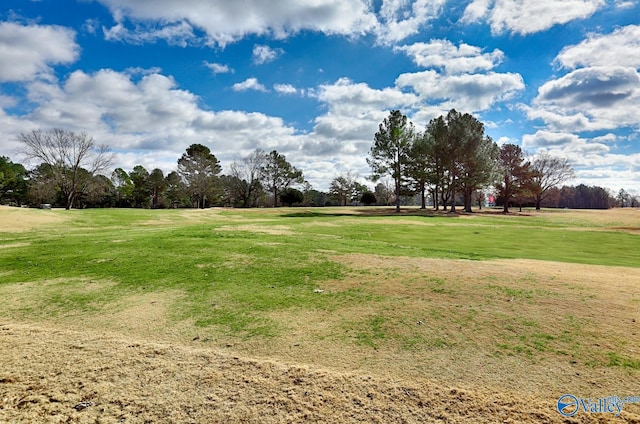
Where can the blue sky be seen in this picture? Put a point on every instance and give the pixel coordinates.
(313, 79)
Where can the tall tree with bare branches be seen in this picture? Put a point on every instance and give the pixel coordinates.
(245, 185)
(548, 172)
(73, 158)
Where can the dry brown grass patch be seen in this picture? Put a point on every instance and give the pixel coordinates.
(17, 220)
(532, 326)
(276, 230)
(121, 379)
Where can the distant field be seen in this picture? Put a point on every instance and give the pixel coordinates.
(420, 316)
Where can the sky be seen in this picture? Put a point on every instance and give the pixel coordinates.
(313, 79)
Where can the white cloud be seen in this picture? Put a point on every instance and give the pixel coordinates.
(595, 162)
(285, 89)
(477, 10)
(29, 51)
(505, 140)
(111, 101)
(588, 99)
(264, 54)
(249, 84)
(546, 139)
(607, 138)
(400, 19)
(178, 34)
(151, 119)
(228, 21)
(624, 4)
(218, 68)
(7, 101)
(91, 26)
(343, 134)
(468, 92)
(445, 55)
(528, 16)
(620, 48)
(598, 87)
(351, 99)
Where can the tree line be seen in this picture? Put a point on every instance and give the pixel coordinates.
(72, 173)
(454, 162)
(451, 162)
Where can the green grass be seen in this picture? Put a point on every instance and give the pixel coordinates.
(237, 269)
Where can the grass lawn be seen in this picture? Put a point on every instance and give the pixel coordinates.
(539, 302)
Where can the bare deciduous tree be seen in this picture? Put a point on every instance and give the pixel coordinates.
(549, 172)
(245, 182)
(73, 158)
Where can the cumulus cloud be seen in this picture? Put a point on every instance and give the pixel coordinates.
(579, 151)
(399, 19)
(469, 92)
(224, 22)
(528, 16)
(354, 109)
(249, 84)
(178, 34)
(595, 98)
(624, 4)
(443, 54)
(218, 68)
(285, 89)
(601, 92)
(29, 51)
(343, 134)
(593, 159)
(548, 139)
(598, 87)
(350, 98)
(227, 21)
(111, 101)
(150, 118)
(264, 54)
(620, 48)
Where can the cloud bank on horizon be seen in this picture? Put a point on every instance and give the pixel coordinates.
(313, 79)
